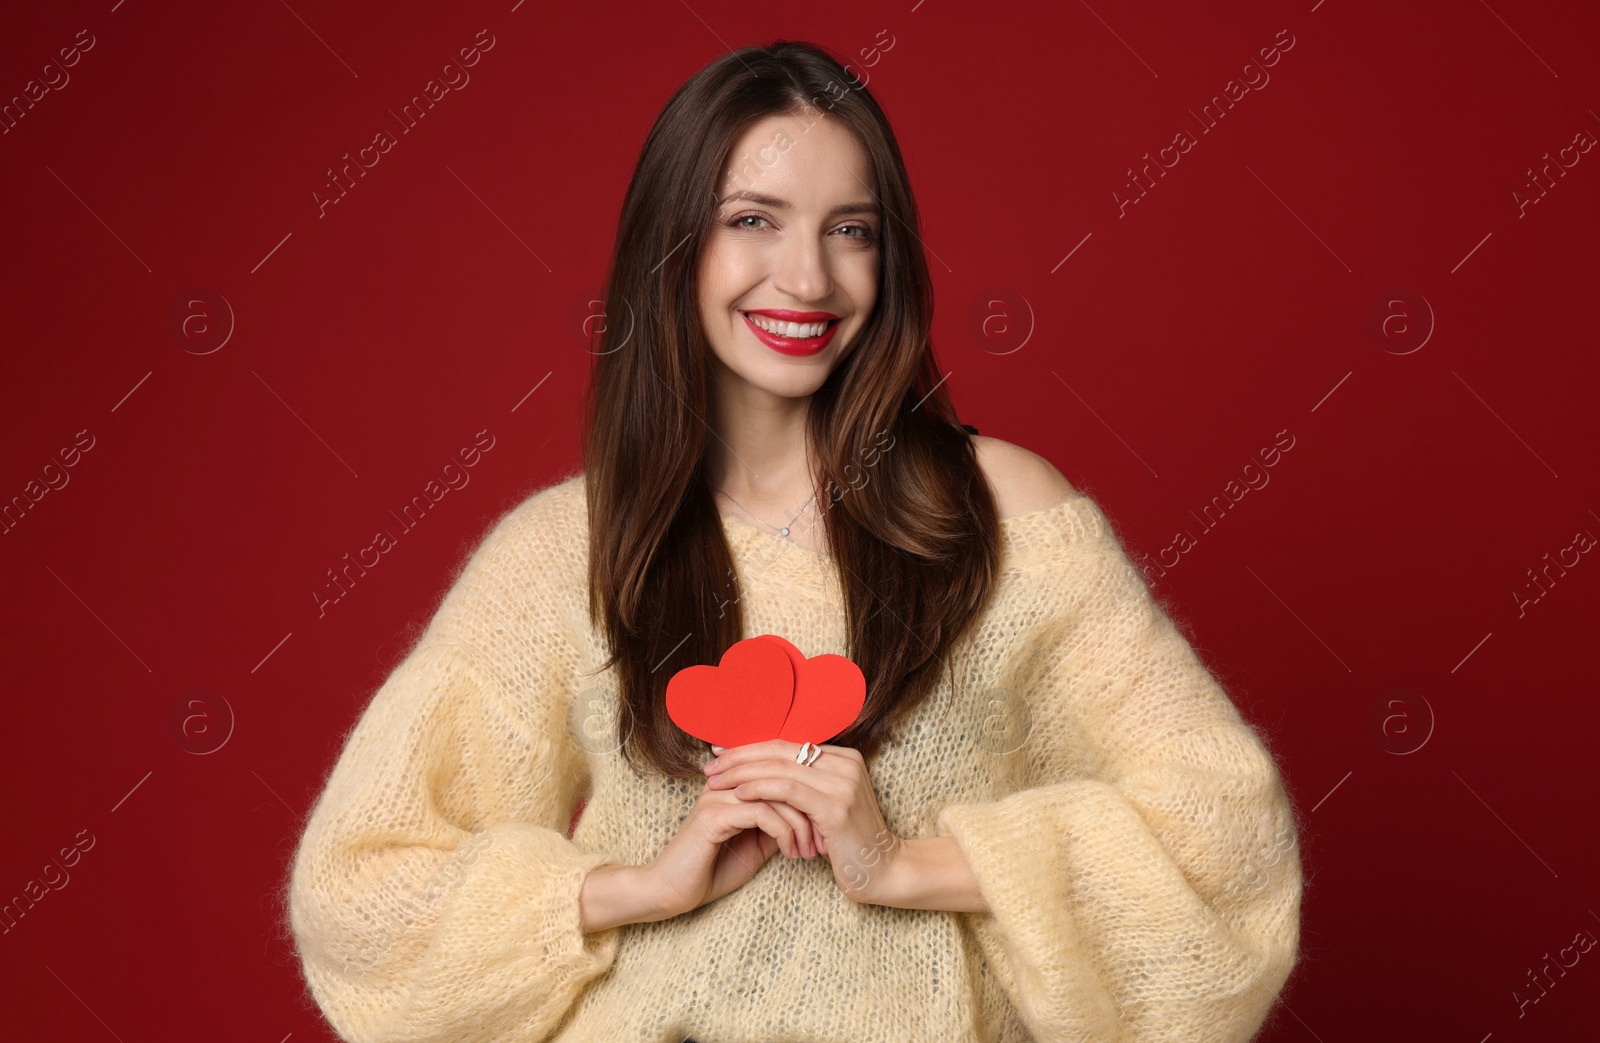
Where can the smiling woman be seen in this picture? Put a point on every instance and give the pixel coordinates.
(775, 242)
(1037, 824)
(780, 242)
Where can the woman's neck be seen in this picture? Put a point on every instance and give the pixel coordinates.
(758, 455)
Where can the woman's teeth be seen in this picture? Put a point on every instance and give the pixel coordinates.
(794, 330)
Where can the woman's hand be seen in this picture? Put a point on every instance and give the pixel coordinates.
(719, 847)
(835, 793)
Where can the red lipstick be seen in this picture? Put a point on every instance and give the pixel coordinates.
(786, 315)
(792, 345)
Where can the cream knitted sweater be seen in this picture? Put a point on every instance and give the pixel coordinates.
(1129, 831)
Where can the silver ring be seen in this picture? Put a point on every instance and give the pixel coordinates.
(809, 752)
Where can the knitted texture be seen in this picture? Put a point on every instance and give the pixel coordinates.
(1128, 829)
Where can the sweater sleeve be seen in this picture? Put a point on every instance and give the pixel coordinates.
(1144, 884)
(434, 892)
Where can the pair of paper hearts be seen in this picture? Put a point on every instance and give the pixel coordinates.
(765, 688)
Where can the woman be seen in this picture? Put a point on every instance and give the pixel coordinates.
(1048, 822)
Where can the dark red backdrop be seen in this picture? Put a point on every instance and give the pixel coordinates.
(188, 483)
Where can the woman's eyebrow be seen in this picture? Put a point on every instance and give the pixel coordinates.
(860, 207)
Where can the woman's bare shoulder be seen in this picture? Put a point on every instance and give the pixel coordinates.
(1020, 479)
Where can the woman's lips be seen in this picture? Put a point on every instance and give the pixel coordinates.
(792, 345)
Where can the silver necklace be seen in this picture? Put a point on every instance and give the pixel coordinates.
(785, 530)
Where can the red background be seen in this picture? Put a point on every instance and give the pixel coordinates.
(1168, 346)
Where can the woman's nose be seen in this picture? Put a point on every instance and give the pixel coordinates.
(803, 273)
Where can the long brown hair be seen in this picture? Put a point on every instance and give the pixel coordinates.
(916, 544)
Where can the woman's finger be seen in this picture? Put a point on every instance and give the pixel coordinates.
(767, 819)
(805, 842)
(732, 812)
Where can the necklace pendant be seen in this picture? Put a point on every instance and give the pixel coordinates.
(784, 531)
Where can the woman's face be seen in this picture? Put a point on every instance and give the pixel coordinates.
(794, 239)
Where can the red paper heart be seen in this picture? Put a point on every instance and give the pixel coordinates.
(743, 699)
(829, 691)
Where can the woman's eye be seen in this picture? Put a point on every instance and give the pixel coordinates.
(862, 232)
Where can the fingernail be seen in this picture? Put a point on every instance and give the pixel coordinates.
(719, 749)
